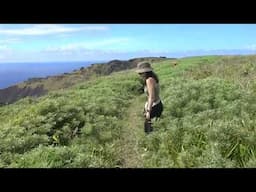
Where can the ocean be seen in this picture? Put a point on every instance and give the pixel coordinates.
(13, 73)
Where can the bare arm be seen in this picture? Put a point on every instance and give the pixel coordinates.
(151, 92)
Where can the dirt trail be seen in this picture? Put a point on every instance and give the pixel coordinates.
(132, 132)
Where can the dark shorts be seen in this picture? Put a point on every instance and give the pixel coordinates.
(156, 110)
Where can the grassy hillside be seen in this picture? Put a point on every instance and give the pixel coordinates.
(79, 127)
(208, 120)
(209, 117)
(36, 87)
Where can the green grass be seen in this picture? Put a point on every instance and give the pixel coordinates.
(208, 120)
(85, 120)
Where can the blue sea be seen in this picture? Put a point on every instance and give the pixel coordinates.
(13, 73)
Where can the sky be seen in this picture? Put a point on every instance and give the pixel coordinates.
(92, 42)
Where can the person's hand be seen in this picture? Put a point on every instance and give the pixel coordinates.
(147, 115)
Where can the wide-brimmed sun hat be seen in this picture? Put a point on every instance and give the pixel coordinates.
(143, 67)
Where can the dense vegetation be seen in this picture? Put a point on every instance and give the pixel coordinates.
(74, 128)
(209, 117)
(208, 120)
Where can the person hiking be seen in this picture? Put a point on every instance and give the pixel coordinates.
(153, 107)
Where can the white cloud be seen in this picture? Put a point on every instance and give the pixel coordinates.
(252, 47)
(6, 53)
(3, 47)
(5, 50)
(88, 45)
(99, 54)
(9, 41)
(46, 29)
